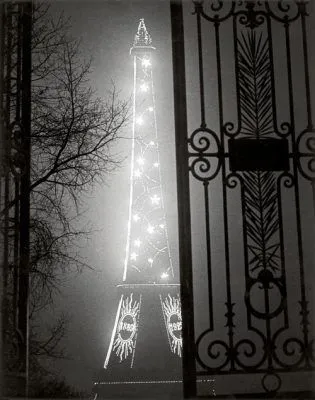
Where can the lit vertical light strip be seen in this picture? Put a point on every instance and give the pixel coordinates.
(132, 171)
(113, 334)
(161, 191)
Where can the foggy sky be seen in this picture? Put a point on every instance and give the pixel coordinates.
(107, 29)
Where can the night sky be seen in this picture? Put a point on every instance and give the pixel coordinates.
(107, 29)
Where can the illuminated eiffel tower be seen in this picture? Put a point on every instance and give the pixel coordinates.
(146, 344)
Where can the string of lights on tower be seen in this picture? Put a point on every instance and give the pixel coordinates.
(147, 249)
(148, 287)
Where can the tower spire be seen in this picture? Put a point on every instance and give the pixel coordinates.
(142, 37)
(142, 41)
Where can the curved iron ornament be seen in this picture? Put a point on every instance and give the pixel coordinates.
(260, 187)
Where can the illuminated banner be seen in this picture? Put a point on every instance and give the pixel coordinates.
(127, 328)
(173, 322)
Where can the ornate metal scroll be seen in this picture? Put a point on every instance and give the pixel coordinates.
(257, 158)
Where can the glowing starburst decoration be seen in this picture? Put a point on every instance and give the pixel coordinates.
(155, 200)
(139, 120)
(144, 87)
(140, 161)
(127, 328)
(173, 321)
(150, 229)
(136, 217)
(133, 256)
(137, 242)
(146, 62)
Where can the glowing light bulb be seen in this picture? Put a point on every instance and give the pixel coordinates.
(139, 120)
(146, 62)
(156, 164)
(150, 109)
(144, 87)
(164, 275)
(136, 217)
(150, 260)
(150, 229)
(140, 160)
(137, 243)
(155, 199)
(138, 173)
(133, 256)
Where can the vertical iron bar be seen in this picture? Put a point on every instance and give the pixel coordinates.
(209, 263)
(280, 214)
(310, 126)
(2, 169)
(183, 193)
(306, 69)
(303, 301)
(23, 302)
(16, 252)
(201, 80)
(229, 303)
(283, 269)
(7, 31)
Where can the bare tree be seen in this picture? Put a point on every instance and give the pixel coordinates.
(72, 147)
(73, 131)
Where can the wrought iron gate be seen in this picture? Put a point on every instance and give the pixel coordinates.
(246, 179)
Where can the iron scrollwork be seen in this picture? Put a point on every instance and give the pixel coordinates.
(306, 160)
(205, 151)
(269, 350)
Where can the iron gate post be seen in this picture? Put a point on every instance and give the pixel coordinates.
(184, 224)
(2, 158)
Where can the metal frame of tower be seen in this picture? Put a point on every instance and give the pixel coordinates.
(148, 284)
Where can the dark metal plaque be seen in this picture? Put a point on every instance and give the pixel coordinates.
(259, 155)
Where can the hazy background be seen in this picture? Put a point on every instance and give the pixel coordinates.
(107, 29)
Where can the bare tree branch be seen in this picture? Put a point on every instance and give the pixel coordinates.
(73, 135)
